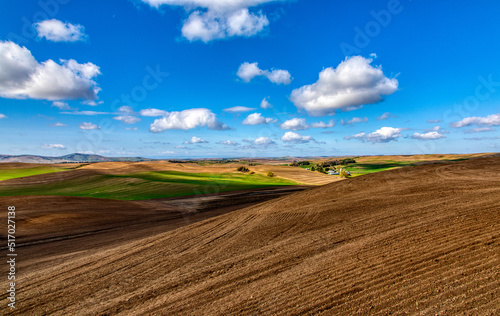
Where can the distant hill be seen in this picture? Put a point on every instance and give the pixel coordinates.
(71, 158)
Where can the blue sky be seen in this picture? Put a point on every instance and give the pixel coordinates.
(188, 78)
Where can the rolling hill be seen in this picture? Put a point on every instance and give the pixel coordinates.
(71, 158)
(416, 240)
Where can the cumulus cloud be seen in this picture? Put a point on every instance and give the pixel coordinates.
(257, 119)
(352, 84)
(211, 25)
(238, 109)
(57, 31)
(88, 126)
(196, 140)
(217, 19)
(260, 142)
(61, 105)
(297, 124)
(187, 119)
(321, 124)
(295, 138)
(265, 104)
(53, 146)
(228, 143)
(353, 121)
(428, 136)
(22, 77)
(490, 120)
(383, 135)
(2, 116)
(248, 71)
(385, 116)
(152, 112)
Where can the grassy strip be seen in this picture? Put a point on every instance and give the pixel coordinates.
(6, 174)
(147, 185)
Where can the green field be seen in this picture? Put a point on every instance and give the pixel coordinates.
(358, 169)
(146, 185)
(6, 174)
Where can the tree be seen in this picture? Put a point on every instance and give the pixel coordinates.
(242, 169)
(344, 174)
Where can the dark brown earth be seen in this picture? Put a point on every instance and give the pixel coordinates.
(417, 240)
(50, 229)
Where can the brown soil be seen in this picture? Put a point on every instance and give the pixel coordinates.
(418, 240)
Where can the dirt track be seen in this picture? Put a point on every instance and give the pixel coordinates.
(419, 240)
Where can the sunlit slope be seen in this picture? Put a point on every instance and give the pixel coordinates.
(418, 240)
(137, 186)
(19, 170)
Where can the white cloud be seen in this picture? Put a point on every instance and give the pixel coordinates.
(187, 119)
(196, 140)
(228, 143)
(265, 104)
(295, 124)
(53, 146)
(217, 19)
(238, 109)
(383, 135)
(248, 71)
(91, 113)
(354, 120)
(88, 126)
(22, 77)
(490, 120)
(128, 115)
(385, 116)
(168, 152)
(260, 142)
(131, 128)
(211, 25)
(2, 116)
(321, 124)
(480, 130)
(127, 119)
(352, 84)
(257, 119)
(126, 109)
(58, 124)
(92, 103)
(152, 112)
(61, 105)
(295, 138)
(57, 31)
(428, 136)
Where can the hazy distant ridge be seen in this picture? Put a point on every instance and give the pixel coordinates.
(66, 158)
